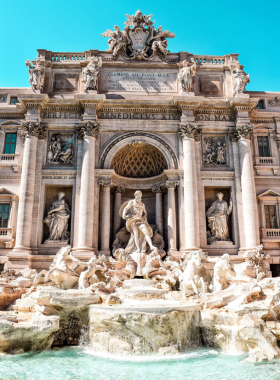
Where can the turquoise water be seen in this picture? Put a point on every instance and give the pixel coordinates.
(81, 364)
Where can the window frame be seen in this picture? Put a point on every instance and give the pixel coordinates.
(9, 144)
(16, 102)
(262, 146)
(270, 207)
(3, 213)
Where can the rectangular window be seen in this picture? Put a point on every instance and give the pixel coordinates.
(270, 216)
(10, 143)
(4, 215)
(260, 104)
(263, 146)
(14, 100)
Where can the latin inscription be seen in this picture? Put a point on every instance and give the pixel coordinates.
(55, 175)
(139, 116)
(205, 117)
(62, 115)
(138, 82)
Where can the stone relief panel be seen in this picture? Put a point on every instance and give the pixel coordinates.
(67, 82)
(61, 149)
(214, 151)
(212, 85)
(3, 98)
(274, 102)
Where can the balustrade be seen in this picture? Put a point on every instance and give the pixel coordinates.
(68, 57)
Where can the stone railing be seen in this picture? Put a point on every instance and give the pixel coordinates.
(10, 160)
(7, 237)
(67, 56)
(210, 60)
(265, 160)
(270, 234)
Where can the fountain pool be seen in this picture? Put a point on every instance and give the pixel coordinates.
(80, 364)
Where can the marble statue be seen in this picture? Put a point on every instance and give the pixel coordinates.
(221, 268)
(240, 80)
(91, 73)
(89, 276)
(134, 212)
(117, 41)
(139, 39)
(190, 278)
(256, 259)
(60, 273)
(159, 41)
(35, 72)
(123, 269)
(185, 76)
(154, 265)
(217, 216)
(57, 220)
(66, 157)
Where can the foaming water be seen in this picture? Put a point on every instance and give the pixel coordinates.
(81, 364)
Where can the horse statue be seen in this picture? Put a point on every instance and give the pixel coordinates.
(191, 278)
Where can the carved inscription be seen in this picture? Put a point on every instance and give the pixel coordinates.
(139, 116)
(58, 175)
(138, 81)
(62, 115)
(208, 117)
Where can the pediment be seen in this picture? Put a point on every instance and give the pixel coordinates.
(4, 191)
(269, 193)
(11, 122)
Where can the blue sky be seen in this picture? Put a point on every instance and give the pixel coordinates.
(248, 27)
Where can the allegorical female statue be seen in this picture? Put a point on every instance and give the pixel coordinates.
(35, 73)
(91, 73)
(57, 220)
(185, 76)
(240, 80)
(217, 215)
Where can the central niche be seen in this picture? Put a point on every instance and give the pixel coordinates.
(139, 160)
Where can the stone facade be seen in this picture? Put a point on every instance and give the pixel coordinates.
(98, 125)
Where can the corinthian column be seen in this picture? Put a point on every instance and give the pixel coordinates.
(159, 215)
(251, 228)
(32, 131)
(88, 131)
(105, 216)
(189, 132)
(117, 205)
(171, 217)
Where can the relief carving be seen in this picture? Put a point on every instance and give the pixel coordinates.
(214, 151)
(61, 149)
(274, 102)
(139, 39)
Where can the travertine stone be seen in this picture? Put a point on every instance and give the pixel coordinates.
(171, 218)
(105, 220)
(159, 215)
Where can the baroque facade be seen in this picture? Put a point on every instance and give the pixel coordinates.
(96, 126)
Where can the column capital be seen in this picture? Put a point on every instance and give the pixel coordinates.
(157, 189)
(35, 129)
(189, 130)
(105, 182)
(118, 189)
(245, 131)
(172, 184)
(87, 129)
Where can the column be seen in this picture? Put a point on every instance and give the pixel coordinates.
(171, 217)
(188, 132)
(13, 213)
(88, 131)
(32, 131)
(117, 205)
(263, 221)
(159, 214)
(182, 243)
(105, 216)
(249, 201)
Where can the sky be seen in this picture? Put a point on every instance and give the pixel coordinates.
(248, 27)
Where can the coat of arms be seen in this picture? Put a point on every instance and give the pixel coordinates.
(139, 39)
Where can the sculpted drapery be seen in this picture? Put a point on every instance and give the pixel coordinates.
(57, 219)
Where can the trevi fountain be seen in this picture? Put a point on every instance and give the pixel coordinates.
(140, 216)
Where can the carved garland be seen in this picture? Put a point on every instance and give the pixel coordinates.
(132, 134)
